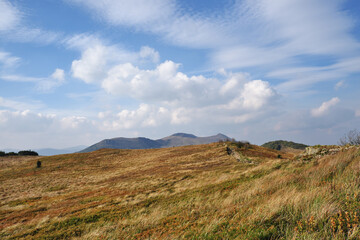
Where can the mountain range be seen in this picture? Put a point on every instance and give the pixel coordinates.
(175, 140)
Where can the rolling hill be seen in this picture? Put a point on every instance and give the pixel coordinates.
(281, 144)
(189, 192)
(175, 140)
(50, 151)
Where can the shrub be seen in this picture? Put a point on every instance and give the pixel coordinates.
(2, 154)
(351, 138)
(11, 154)
(28, 153)
(243, 144)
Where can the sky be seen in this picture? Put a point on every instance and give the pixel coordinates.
(74, 72)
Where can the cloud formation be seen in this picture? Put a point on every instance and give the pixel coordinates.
(10, 16)
(325, 107)
(268, 35)
(43, 84)
(7, 60)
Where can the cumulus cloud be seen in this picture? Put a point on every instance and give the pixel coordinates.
(165, 84)
(325, 107)
(24, 121)
(144, 116)
(171, 96)
(90, 68)
(32, 129)
(147, 52)
(98, 57)
(72, 122)
(256, 94)
(271, 35)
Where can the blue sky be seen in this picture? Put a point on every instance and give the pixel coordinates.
(74, 72)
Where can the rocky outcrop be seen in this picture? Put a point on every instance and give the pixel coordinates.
(319, 151)
(238, 156)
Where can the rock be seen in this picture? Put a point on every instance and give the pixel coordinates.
(311, 150)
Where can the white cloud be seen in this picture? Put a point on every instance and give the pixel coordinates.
(24, 121)
(20, 78)
(165, 84)
(55, 80)
(43, 84)
(72, 122)
(90, 68)
(268, 34)
(24, 33)
(309, 27)
(7, 60)
(97, 57)
(339, 85)
(144, 116)
(10, 16)
(136, 12)
(19, 105)
(149, 53)
(300, 77)
(32, 129)
(14, 27)
(325, 107)
(256, 94)
(165, 18)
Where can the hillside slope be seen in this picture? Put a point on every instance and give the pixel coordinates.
(191, 192)
(175, 140)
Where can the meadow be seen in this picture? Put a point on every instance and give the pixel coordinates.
(191, 192)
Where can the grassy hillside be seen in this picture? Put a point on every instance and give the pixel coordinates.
(281, 144)
(192, 192)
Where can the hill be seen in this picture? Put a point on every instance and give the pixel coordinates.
(191, 192)
(281, 144)
(50, 151)
(175, 140)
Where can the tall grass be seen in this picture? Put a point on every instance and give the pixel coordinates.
(194, 192)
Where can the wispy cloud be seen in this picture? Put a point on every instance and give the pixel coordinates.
(7, 60)
(43, 84)
(339, 85)
(13, 26)
(165, 18)
(10, 15)
(19, 105)
(267, 34)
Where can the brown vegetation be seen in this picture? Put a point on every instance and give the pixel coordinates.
(196, 192)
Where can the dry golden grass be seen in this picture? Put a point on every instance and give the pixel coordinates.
(196, 192)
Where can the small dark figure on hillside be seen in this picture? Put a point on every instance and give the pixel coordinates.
(38, 164)
(228, 150)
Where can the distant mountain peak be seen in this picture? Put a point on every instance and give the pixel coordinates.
(187, 135)
(177, 139)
